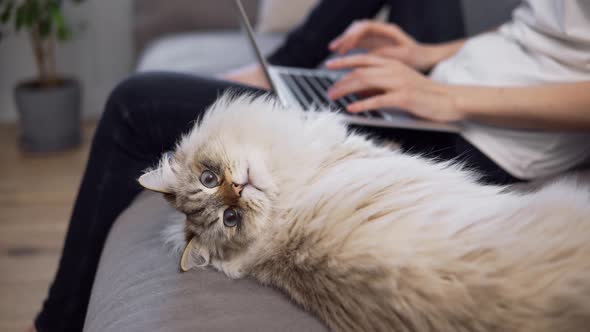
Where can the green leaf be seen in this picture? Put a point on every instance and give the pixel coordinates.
(52, 6)
(20, 17)
(47, 15)
(57, 16)
(27, 15)
(34, 11)
(7, 12)
(45, 27)
(63, 31)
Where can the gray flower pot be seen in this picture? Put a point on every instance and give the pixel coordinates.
(49, 117)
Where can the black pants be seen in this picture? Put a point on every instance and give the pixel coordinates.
(143, 118)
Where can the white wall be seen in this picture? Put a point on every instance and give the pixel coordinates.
(99, 55)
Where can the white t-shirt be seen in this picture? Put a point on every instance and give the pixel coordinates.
(547, 41)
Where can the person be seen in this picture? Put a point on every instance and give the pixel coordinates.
(519, 92)
(147, 113)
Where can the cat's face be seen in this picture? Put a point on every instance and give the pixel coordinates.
(226, 193)
(220, 177)
(228, 173)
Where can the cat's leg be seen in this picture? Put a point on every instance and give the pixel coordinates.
(143, 118)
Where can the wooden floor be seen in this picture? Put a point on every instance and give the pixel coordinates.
(36, 195)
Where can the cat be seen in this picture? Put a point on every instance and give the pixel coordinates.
(369, 238)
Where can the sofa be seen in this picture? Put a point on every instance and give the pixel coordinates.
(203, 37)
(138, 286)
(200, 37)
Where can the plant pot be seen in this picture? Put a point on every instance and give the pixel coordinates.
(49, 116)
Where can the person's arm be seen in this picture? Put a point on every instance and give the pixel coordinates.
(307, 45)
(391, 41)
(427, 21)
(550, 106)
(394, 84)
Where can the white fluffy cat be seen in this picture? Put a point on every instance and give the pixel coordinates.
(368, 238)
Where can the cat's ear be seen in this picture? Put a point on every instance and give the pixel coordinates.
(153, 180)
(194, 256)
(161, 178)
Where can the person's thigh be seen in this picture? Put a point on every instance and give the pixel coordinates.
(443, 146)
(158, 107)
(430, 144)
(144, 117)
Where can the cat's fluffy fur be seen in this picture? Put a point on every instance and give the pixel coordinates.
(371, 239)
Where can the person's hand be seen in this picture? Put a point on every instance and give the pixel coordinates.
(250, 75)
(388, 40)
(390, 83)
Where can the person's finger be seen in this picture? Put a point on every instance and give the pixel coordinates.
(392, 52)
(394, 32)
(351, 37)
(347, 37)
(424, 104)
(362, 80)
(335, 43)
(359, 60)
(346, 88)
(373, 103)
(347, 34)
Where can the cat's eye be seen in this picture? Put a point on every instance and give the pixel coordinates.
(209, 179)
(231, 217)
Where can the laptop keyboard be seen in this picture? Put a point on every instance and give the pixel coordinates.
(311, 90)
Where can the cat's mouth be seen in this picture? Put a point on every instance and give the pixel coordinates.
(248, 183)
(257, 181)
(253, 186)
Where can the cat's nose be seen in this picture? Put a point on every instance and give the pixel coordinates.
(238, 188)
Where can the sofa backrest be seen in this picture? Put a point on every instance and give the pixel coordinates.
(482, 15)
(154, 18)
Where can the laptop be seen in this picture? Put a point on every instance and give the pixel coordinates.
(307, 88)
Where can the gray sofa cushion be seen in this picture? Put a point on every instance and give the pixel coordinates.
(153, 19)
(138, 286)
(204, 53)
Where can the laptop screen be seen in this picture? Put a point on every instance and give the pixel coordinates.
(250, 32)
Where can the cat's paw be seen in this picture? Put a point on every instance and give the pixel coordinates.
(231, 269)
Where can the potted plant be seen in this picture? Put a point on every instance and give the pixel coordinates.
(49, 104)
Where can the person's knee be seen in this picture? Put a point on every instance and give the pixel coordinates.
(125, 96)
(131, 104)
(121, 118)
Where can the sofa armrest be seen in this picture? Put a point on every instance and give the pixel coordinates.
(138, 286)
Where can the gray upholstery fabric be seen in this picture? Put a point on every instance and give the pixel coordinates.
(153, 19)
(138, 286)
(204, 53)
(481, 15)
